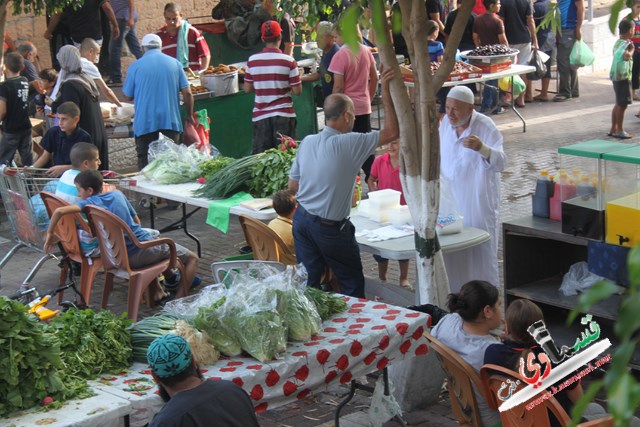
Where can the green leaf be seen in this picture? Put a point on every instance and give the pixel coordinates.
(615, 12)
(348, 26)
(596, 293)
(633, 265)
(619, 402)
(379, 18)
(582, 403)
(628, 321)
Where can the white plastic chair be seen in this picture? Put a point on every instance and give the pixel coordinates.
(225, 271)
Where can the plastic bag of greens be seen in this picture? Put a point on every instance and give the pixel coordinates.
(254, 313)
(170, 163)
(581, 55)
(301, 315)
(211, 320)
(187, 308)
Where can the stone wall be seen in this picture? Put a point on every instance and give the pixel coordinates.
(598, 37)
(150, 18)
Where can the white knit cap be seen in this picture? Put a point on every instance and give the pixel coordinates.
(151, 40)
(461, 93)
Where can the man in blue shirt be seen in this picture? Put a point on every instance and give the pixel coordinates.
(572, 14)
(153, 83)
(327, 42)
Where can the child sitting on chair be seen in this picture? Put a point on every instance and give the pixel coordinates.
(285, 206)
(89, 184)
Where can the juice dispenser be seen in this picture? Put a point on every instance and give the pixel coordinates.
(579, 187)
(622, 169)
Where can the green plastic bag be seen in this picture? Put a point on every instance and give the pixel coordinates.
(581, 55)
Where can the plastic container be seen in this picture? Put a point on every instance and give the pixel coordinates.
(544, 192)
(384, 198)
(400, 216)
(622, 197)
(563, 189)
(221, 84)
(583, 207)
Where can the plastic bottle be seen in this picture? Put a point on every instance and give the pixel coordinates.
(564, 189)
(585, 188)
(357, 192)
(544, 191)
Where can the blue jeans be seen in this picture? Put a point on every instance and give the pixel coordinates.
(115, 48)
(318, 244)
(490, 97)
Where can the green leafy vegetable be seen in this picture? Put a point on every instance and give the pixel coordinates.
(301, 316)
(229, 180)
(148, 329)
(271, 174)
(327, 304)
(92, 343)
(31, 366)
(174, 164)
(210, 320)
(210, 167)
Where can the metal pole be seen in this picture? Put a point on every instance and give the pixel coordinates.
(590, 16)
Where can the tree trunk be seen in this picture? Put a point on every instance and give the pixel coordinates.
(420, 141)
(3, 24)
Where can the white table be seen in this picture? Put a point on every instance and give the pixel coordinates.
(101, 410)
(183, 194)
(405, 247)
(514, 70)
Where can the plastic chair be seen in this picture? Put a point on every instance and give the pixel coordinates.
(493, 376)
(225, 271)
(67, 233)
(461, 380)
(265, 243)
(110, 231)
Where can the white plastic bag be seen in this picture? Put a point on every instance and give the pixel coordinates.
(578, 279)
(449, 219)
(170, 163)
(187, 308)
(383, 408)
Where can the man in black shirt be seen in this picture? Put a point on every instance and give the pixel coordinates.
(85, 22)
(191, 400)
(14, 113)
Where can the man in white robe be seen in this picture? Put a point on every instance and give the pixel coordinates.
(471, 160)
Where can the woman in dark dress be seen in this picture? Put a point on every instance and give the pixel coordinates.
(78, 87)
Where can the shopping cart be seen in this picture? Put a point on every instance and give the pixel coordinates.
(26, 213)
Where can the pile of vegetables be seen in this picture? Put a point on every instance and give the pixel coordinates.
(210, 167)
(92, 343)
(326, 303)
(31, 366)
(271, 174)
(229, 180)
(148, 329)
(173, 164)
(261, 175)
(210, 320)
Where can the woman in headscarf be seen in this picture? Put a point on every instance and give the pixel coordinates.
(78, 87)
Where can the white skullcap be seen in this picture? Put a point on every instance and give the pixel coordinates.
(461, 93)
(151, 40)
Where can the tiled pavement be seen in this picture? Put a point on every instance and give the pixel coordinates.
(549, 125)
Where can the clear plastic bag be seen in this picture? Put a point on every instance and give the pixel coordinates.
(578, 279)
(187, 308)
(383, 407)
(449, 218)
(170, 163)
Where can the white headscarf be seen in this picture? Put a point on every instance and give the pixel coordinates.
(71, 69)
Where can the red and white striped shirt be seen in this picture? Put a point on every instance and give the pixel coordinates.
(272, 74)
(198, 46)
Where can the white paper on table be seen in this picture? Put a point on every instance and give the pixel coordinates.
(389, 232)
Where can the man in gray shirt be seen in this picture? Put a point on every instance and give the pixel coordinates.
(323, 176)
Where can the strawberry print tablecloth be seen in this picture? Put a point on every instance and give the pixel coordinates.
(365, 339)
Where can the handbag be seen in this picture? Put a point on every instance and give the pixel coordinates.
(537, 62)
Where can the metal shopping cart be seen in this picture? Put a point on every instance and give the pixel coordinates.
(26, 213)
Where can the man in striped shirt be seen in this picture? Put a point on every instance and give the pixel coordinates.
(182, 41)
(272, 75)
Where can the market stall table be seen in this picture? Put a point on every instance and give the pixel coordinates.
(365, 339)
(514, 70)
(101, 410)
(183, 194)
